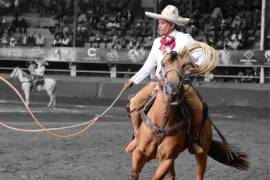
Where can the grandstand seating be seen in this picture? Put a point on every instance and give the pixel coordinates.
(89, 29)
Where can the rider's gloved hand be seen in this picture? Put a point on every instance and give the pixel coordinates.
(128, 84)
(190, 68)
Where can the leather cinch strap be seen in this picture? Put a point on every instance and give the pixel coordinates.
(161, 132)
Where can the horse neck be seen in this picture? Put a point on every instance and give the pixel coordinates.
(21, 76)
(160, 111)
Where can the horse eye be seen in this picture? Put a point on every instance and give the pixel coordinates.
(174, 55)
(163, 65)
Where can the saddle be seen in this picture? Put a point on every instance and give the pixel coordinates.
(37, 81)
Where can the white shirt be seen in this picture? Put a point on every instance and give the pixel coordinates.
(155, 55)
(40, 70)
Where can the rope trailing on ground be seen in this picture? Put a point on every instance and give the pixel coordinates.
(87, 124)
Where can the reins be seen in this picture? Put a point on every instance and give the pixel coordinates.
(87, 124)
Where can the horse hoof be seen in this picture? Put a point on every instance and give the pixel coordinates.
(132, 176)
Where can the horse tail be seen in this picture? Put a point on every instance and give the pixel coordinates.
(227, 154)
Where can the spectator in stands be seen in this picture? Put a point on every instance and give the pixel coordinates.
(120, 42)
(31, 40)
(22, 25)
(82, 18)
(98, 39)
(138, 29)
(240, 79)
(57, 42)
(5, 39)
(66, 40)
(191, 29)
(148, 28)
(40, 40)
(148, 42)
(12, 41)
(106, 39)
(249, 74)
(79, 41)
(235, 40)
(101, 25)
(14, 24)
(112, 23)
(123, 25)
(141, 51)
(133, 44)
(217, 14)
(3, 25)
(24, 39)
(211, 39)
(201, 36)
(236, 23)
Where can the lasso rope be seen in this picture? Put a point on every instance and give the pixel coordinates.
(211, 58)
(87, 124)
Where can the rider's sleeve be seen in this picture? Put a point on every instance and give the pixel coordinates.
(40, 71)
(148, 66)
(196, 56)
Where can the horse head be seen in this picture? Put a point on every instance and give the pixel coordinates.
(172, 65)
(14, 72)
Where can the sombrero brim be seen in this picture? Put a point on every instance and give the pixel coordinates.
(179, 21)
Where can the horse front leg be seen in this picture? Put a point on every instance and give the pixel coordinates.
(164, 167)
(201, 165)
(26, 95)
(171, 175)
(138, 161)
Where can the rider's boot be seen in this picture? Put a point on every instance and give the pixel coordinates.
(34, 85)
(135, 104)
(136, 122)
(196, 109)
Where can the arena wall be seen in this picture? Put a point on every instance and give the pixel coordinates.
(93, 90)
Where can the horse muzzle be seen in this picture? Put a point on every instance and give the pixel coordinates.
(172, 87)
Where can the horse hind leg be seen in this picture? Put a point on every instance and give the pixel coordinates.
(51, 94)
(201, 165)
(54, 101)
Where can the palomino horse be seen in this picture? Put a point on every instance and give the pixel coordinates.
(26, 83)
(163, 135)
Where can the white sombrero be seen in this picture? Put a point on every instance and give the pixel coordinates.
(169, 13)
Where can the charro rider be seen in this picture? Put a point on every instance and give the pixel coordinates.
(38, 73)
(170, 40)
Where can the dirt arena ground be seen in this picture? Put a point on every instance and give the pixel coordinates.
(99, 154)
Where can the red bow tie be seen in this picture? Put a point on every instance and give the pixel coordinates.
(167, 41)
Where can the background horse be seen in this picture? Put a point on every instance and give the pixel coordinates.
(26, 85)
(164, 132)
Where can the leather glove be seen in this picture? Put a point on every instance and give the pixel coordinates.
(128, 84)
(189, 68)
